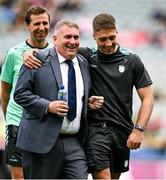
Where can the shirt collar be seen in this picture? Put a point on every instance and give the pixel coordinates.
(62, 59)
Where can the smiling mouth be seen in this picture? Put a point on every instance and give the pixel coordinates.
(109, 49)
(71, 47)
(41, 33)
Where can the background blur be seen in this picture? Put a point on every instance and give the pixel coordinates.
(142, 28)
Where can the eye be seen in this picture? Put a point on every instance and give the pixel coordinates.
(68, 36)
(37, 24)
(111, 38)
(45, 23)
(102, 39)
(76, 37)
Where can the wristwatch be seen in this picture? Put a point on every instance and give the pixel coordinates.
(139, 127)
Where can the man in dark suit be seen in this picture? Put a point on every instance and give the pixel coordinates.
(52, 144)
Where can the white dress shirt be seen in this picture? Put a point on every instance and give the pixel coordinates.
(72, 127)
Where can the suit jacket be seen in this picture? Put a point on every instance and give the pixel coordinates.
(35, 88)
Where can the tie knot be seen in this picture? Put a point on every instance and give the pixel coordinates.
(69, 62)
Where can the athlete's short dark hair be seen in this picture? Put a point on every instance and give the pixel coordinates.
(35, 10)
(103, 21)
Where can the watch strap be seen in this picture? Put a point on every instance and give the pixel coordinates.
(139, 127)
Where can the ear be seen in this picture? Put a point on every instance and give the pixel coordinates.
(94, 36)
(26, 25)
(54, 39)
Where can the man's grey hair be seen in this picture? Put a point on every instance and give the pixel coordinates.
(65, 22)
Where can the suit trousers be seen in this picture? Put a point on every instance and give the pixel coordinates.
(66, 160)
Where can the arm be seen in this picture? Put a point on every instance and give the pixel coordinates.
(30, 99)
(146, 96)
(146, 108)
(7, 75)
(5, 95)
(85, 52)
(26, 96)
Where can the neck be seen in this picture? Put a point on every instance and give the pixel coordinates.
(37, 44)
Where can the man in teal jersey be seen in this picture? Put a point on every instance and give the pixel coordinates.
(37, 22)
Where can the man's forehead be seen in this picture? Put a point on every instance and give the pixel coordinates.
(68, 30)
(106, 32)
(39, 17)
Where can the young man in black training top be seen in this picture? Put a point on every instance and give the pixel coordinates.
(114, 72)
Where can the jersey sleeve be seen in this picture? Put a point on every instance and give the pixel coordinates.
(141, 76)
(85, 52)
(8, 68)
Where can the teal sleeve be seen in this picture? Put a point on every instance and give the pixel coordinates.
(8, 68)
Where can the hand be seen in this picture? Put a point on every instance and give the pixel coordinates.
(58, 107)
(95, 102)
(135, 139)
(30, 60)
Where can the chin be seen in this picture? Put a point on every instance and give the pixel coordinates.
(71, 55)
(110, 52)
(106, 52)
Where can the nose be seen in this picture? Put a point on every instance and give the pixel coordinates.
(108, 42)
(72, 40)
(41, 27)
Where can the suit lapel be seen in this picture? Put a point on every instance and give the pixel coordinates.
(57, 73)
(55, 66)
(84, 70)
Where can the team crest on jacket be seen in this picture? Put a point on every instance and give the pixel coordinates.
(121, 68)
